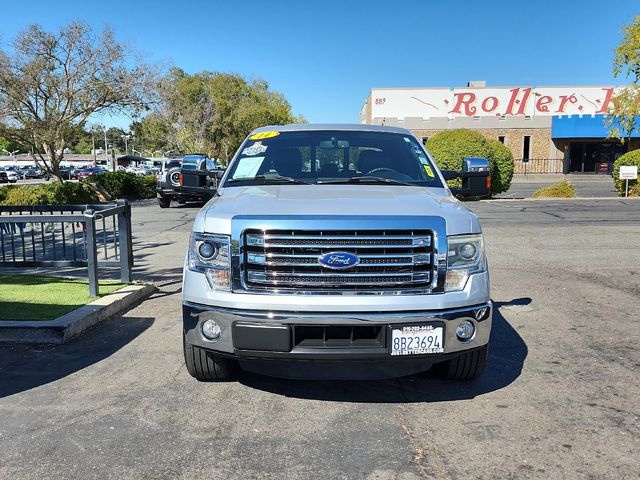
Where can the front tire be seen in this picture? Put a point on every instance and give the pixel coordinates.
(206, 366)
(164, 202)
(466, 366)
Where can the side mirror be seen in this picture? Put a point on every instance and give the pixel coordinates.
(450, 174)
(219, 173)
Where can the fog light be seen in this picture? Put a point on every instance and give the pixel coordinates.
(211, 330)
(465, 330)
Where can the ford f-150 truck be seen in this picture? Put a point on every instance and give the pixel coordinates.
(335, 251)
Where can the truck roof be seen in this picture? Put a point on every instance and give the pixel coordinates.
(358, 127)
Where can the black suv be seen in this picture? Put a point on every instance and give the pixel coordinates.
(191, 178)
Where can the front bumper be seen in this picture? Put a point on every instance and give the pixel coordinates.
(182, 193)
(250, 335)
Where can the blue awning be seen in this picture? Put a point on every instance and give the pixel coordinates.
(587, 126)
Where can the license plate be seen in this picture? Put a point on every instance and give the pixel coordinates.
(416, 340)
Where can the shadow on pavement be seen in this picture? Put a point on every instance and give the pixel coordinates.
(507, 353)
(26, 367)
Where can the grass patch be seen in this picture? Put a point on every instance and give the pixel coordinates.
(561, 189)
(36, 297)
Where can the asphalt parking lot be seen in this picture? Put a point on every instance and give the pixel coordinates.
(559, 398)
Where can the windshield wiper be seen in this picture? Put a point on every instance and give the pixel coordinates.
(269, 179)
(366, 179)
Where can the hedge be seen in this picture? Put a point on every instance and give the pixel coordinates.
(629, 158)
(47, 194)
(502, 166)
(451, 146)
(561, 189)
(126, 185)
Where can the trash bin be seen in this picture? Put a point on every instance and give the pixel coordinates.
(476, 177)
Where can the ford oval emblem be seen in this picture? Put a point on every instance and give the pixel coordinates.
(339, 260)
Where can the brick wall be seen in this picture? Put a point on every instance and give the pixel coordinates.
(541, 145)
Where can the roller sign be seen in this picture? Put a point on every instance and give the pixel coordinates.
(499, 102)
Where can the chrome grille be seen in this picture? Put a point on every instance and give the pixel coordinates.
(288, 259)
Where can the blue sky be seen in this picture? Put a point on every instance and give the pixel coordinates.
(326, 55)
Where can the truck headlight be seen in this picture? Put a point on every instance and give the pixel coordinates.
(465, 256)
(209, 254)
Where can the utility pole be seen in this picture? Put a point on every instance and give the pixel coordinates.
(126, 146)
(106, 148)
(93, 145)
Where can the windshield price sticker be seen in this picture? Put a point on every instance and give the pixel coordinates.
(263, 135)
(416, 340)
(248, 167)
(628, 172)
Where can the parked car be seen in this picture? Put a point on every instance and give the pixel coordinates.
(32, 173)
(149, 170)
(168, 178)
(68, 173)
(194, 179)
(335, 252)
(4, 178)
(88, 172)
(12, 175)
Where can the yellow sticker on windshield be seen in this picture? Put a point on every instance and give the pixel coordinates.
(263, 135)
(429, 171)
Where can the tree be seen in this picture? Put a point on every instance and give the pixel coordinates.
(7, 146)
(212, 112)
(626, 106)
(115, 138)
(51, 84)
(153, 133)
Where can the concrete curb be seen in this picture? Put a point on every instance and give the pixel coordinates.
(73, 323)
(547, 199)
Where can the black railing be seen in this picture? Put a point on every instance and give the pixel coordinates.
(90, 236)
(538, 165)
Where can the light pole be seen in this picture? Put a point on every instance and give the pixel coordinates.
(93, 144)
(126, 146)
(106, 147)
(12, 155)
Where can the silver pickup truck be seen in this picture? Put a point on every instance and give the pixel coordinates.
(335, 251)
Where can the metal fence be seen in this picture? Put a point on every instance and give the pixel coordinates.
(91, 236)
(539, 165)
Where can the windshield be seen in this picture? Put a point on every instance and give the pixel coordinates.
(321, 157)
(169, 164)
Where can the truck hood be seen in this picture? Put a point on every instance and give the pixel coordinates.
(339, 200)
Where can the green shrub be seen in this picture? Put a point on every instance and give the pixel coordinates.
(48, 194)
(148, 185)
(126, 185)
(629, 158)
(4, 191)
(561, 189)
(118, 184)
(451, 146)
(502, 166)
